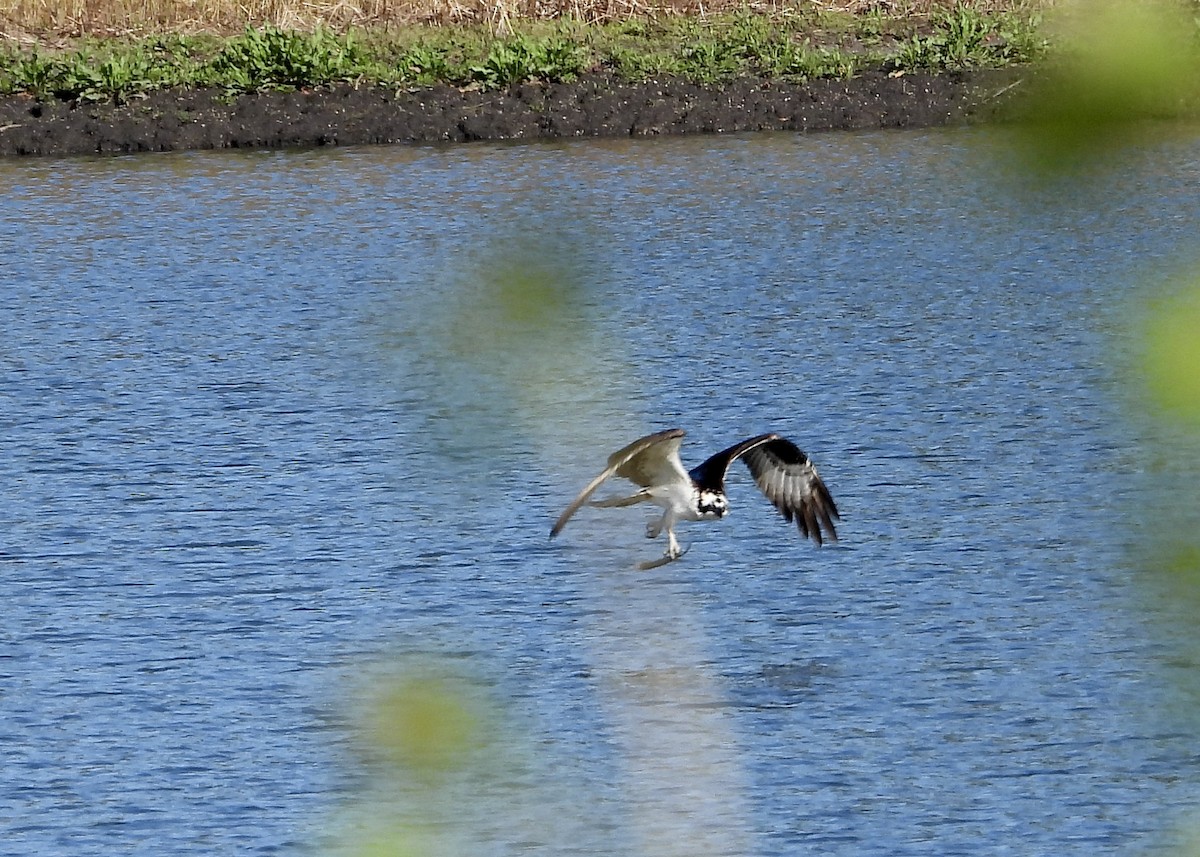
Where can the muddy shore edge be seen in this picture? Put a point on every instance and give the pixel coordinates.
(592, 106)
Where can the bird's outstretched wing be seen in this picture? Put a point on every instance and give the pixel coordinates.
(648, 461)
(785, 476)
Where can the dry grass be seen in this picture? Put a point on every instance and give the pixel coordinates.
(33, 21)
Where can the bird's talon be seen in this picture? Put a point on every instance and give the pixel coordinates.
(661, 561)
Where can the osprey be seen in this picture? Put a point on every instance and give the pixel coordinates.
(782, 472)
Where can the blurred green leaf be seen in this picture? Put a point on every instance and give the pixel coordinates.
(1119, 67)
(1171, 355)
(425, 724)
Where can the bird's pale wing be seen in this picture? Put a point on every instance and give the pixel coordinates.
(790, 481)
(651, 460)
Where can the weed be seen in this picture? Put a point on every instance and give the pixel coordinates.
(518, 59)
(964, 38)
(425, 64)
(710, 61)
(630, 64)
(810, 63)
(85, 76)
(34, 74)
(122, 76)
(871, 25)
(281, 59)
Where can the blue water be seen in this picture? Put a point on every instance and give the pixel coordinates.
(272, 425)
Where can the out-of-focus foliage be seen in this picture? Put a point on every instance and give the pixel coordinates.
(429, 736)
(1119, 68)
(1171, 355)
(1165, 392)
(523, 293)
(1124, 75)
(520, 360)
(425, 724)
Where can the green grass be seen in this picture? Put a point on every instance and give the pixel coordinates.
(520, 58)
(277, 59)
(788, 47)
(964, 38)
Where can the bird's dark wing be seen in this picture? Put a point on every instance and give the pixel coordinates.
(711, 474)
(649, 461)
(789, 480)
(784, 475)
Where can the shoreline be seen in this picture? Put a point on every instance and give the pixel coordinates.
(594, 105)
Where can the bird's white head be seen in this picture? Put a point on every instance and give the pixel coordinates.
(711, 504)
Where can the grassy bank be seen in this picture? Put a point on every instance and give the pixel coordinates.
(798, 43)
(50, 20)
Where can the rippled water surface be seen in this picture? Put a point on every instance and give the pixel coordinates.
(265, 427)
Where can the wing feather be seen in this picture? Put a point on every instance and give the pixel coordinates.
(711, 474)
(650, 460)
(789, 480)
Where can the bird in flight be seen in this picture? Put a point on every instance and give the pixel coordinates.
(782, 472)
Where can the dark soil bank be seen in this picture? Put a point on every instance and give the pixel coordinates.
(592, 106)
